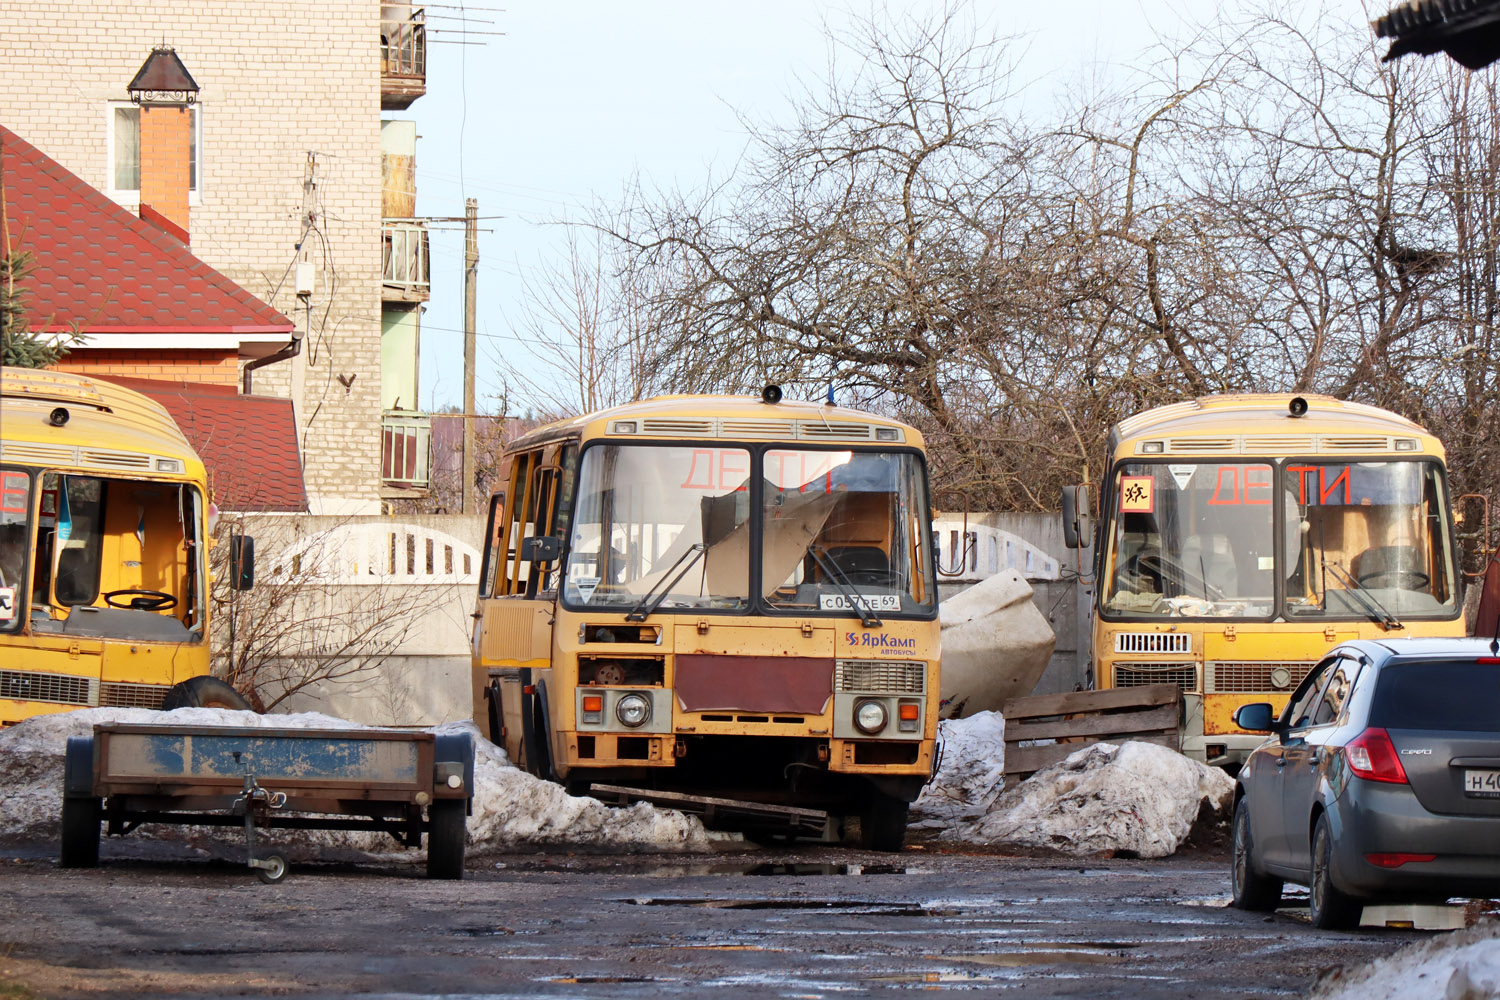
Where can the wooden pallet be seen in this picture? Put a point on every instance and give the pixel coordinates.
(1079, 719)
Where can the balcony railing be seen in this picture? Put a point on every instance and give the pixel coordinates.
(405, 448)
(403, 60)
(404, 267)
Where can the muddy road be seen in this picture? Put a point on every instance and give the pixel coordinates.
(773, 923)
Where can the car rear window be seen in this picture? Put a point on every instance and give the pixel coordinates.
(1463, 696)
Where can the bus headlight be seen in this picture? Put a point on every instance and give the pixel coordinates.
(869, 716)
(633, 710)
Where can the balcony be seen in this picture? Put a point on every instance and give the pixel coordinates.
(404, 268)
(403, 55)
(405, 449)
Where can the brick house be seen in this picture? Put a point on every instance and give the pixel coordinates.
(253, 134)
(159, 320)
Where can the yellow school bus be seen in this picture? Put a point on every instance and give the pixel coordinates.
(103, 552)
(717, 598)
(1243, 535)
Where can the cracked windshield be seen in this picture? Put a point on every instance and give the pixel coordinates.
(1356, 540)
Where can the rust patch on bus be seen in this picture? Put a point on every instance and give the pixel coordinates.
(799, 685)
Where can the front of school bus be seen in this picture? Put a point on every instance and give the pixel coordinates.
(103, 548)
(742, 606)
(1246, 535)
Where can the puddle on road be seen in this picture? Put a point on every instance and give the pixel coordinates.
(794, 869)
(858, 906)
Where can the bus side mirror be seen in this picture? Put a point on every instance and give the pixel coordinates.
(1075, 517)
(241, 562)
(541, 548)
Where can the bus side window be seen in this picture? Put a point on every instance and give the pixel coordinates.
(494, 550)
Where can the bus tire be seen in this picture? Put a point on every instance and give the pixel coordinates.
(534, 734)
(204, 692)
(80, 832)
(446, 836)
(882, 824)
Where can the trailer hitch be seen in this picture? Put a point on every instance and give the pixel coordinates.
(255, 802)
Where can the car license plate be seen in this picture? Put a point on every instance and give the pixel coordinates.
(1482, 784)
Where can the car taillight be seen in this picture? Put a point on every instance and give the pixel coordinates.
(1397, 859)
(1372, 756)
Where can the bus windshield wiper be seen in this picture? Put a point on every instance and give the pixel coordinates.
(846, 586)
(652, 599)
(1361, 593)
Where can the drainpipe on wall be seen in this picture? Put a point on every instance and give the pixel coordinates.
(291, 350)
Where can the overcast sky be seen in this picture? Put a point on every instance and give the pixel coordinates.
(578, 95)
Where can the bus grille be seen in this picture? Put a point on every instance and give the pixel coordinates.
(113, 694)
(56, 689)
(1153, 642)
(678, 428)
(1129, 675)
(880, 677)
(1241, 675)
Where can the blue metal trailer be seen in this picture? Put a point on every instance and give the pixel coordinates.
(406, 784)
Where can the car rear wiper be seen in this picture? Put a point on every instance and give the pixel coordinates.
(652, 600)
(1361, 593)
(856, 600)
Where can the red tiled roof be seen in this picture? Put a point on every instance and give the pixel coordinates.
(101, 267)
(249, 443)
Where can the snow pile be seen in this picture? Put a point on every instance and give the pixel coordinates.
(970, 775)
(512, 810)
(1135, 797)
(1464, 965)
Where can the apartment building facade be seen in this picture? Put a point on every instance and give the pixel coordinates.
(286, 174)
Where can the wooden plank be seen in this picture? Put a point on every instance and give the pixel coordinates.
(1161, 717)
(1071, 702)
(1025, 761)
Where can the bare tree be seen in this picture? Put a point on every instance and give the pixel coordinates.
(309, 620)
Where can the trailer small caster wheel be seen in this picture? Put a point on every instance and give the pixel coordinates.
(274, 870)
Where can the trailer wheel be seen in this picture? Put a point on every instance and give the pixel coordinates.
(446, 834)
(80, 832)
(204, 692)
(275, 873)
(882, 824)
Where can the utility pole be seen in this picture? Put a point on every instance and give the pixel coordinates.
(471, 267)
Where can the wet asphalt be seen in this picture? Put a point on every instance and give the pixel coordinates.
(158, 920)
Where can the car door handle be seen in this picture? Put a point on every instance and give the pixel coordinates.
(1281, 762)
(1313, 758)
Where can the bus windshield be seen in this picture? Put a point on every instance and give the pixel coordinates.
(670, 526)
(1356, 540)
(843, 530)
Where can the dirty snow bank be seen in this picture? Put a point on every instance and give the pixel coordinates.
(970, 775)
(1464, 965)
(1134, 797)
(512, 809)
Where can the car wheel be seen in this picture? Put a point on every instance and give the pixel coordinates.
(1252, 890)
(1331, 908)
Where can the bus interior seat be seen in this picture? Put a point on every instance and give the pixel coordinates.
(73, 585)
(864, 565)
(1388, 565)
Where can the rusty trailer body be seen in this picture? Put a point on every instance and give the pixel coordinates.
(406, 784)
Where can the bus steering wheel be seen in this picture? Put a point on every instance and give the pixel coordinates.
(141, 600)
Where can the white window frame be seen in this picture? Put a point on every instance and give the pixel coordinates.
(131, 197)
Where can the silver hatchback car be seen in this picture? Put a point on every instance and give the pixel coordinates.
(1380, 781)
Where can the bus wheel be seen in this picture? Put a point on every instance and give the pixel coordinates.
(446, 834)
(204, 692)
(80, 832)
(882, 824)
